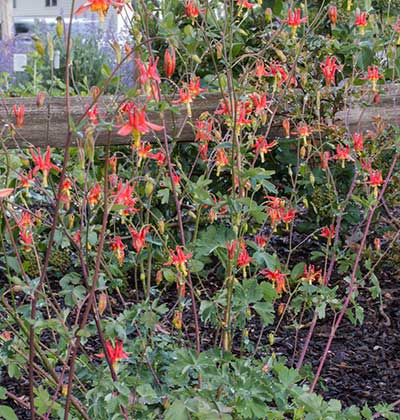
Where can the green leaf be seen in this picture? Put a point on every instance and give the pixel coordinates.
(7, 413)
(266, 312)
(177, 411)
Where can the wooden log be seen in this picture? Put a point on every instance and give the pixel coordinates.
(48, 125)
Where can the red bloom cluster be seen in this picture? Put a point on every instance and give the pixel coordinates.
(278, 212)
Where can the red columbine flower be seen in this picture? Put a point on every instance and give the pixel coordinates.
(373, 76)
(25, 181)
(124, 196)
(148, 72)
(94, 194)
(328, 232)
(99, 6)
(277, 278)
(159, 156)
(191, 9)
(242, 113)
(260, 69)
(119, 248)
(221, 160)
(294, 20)
(137, 123)
(361, 21)
(188, 92)
(169, 61)
(332, 14)
(25, 224)
(280, 75)
(358, 139)
(343, 154)
(19, 112)
(65, 196)
(310, 275)
(288, 216)
(262, 147)
(304, 131)
(115, 354)
(260, 105)
(139, 237)
(178, 259)
(329, 69)
(261, 240)
(92, 114)
(375, 180)
(43, 163)
(143, 152)
(245, 4)
(244, 258)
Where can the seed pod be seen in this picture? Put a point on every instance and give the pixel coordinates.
(102, 303)
(149, 188)
(60, 26)
(169, 61)
(271, 339)
(89, 144)
(159, 277)
(161, 226)
(50, 47)
(268, 15)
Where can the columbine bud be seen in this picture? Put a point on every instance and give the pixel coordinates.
(377, 244)
(159, 277)
(102, 303)
(177, 321)
(40, 98)
(19, 112)
(332, 14)
(95, 91)
(219, 46)
(281, 308)
(169, 61)
(149, 187)
(286, 127)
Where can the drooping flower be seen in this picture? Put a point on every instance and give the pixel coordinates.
(396, 27)
(99, 6)
(310, 275)
(25, 224)
(288, 216)
(159, 156)
(139, 237)
(179, 259)
(43, 163)
(231, 248)
(325, 157)
(244, 4)
(19, 112)
(124, 196)
(94, 194)
(148, 72)
(244, 259)
(294, 20)
(373, 76)
(260, 70)
(358, 140)
(304, 131)
(137, 123)
(65, 196)
(115, 353)
(188, 92)
(277, 278)
(118, 248)
(262, 147)
(343, 154)
(221, 160)
(191, 9)
(261, 240)
(375, 180)
(361, 22)
(328, 232)
(329, 69)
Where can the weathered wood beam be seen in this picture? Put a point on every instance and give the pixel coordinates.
(47, 125)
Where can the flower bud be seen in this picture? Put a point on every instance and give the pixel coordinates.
(50, 47)
(268, 15)
(286, 127)
(161, 226)
(149, 188)
(159, 277)
(332, 14)
(169, 61)
(377, 244)
(40, 98)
